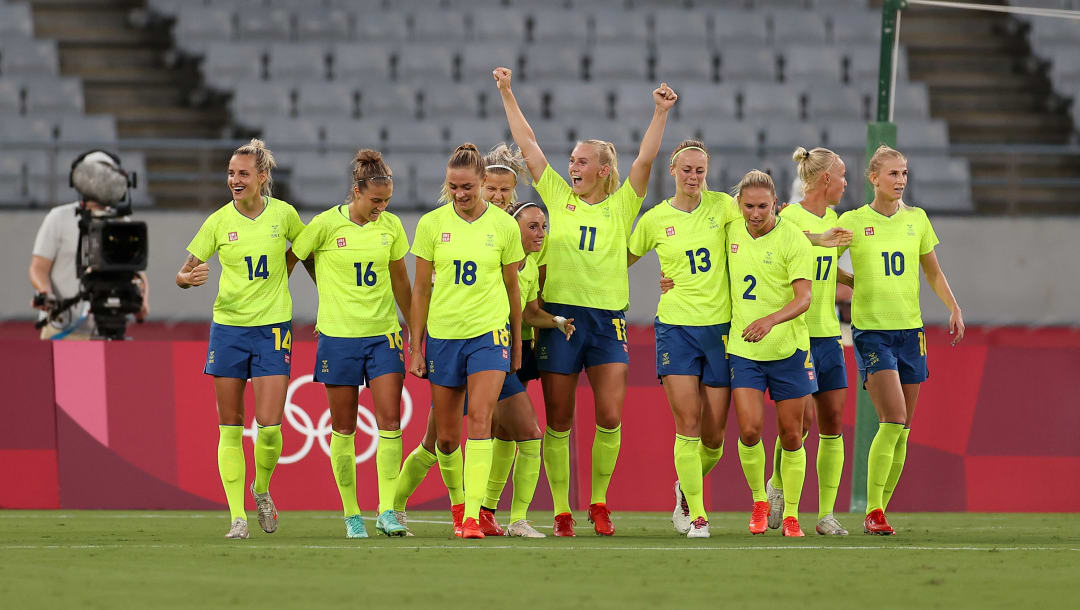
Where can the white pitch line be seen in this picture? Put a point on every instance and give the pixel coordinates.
(482, 546)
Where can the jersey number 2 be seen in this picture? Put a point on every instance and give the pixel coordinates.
(259, 269)
(749, 294)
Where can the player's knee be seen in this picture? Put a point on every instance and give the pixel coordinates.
(750, 435)
(446, 447)
(791, 440)
(713, 440)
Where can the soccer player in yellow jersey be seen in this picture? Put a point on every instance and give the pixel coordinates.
(889, 236)
(473, 334)
(251, 336)
(692, 322)
(583, 276)
(360, 251)
(823, 177)
(770, 266)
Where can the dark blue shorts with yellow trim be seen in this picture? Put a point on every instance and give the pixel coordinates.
(828, 355)
(792, 377)
(244, 352)
(599, 338)
(693, 350)
(903, 351)
(357, 360)
(451, 361)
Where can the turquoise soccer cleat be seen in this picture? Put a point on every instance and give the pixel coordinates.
(388, 524)
(354, 527)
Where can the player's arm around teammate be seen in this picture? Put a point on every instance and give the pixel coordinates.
(473, 334)
(887, 329)
(251, 336)
(359, 250)
(823, 177)
(692, 323)
(583, 275)
(770, 269)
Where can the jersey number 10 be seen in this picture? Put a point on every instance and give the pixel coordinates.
(893, 262)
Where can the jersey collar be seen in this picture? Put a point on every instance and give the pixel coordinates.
(266, 204)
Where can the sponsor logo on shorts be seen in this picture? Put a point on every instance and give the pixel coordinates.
(670, 231)
(571, 207)
(872, 358)
(325, 366)
(401, 355)
(341, 242)
(446, 237)
(210, 357)
(626, 348)
(506, 354)
(542, 353)
(233, 236)
(665, 359)
(288, 358)
(810, 375)
(868, 231)
(734, 248)
(431, 366)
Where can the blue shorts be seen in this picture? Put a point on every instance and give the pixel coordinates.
(693, 350)
(600, 338)
(903, 351)
(244, 352)
(358, 360)
(528, 370)
(828, 355)
(792, 377)
(451, 361)
(511, 387)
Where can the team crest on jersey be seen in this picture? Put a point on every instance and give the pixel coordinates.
(490, 240)
(341, 242)
(571, 207)
(768, 257)
(734, 248)
(868, 231)
(274, 231)
(606, 211)
(670, 231)
(712, 223)
(446, 237)
(325, 366)
(911, 230)
(233, 236)
(385, 239)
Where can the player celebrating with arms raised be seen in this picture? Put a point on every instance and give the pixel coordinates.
(360, 253)
(770, 266)
(583, 276)
(886, 319)
(251, 336)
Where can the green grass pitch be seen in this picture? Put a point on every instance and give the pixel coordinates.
(133, 559)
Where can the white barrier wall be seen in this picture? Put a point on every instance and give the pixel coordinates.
(1003, 270)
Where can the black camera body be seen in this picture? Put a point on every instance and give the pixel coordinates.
(111, 252)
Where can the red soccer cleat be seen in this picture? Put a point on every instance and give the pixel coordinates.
(600, 517)
(759, 519)
(471, 529)
(457, 511)
(489, 525)
(564, 524)
(875, 523)
(791, 528)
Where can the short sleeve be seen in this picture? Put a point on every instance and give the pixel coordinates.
(423, 245)
(845, 222)
(800, 260)
(308, 239)
(629, 201)
(400, 246)
(553, 189)
(929, 238)
(533, 292)
(641, 240)
(296, 226)
(512, 251)
(47, 242)
(204, 244)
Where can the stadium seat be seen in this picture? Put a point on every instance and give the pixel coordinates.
(388, 101)
(28, 58)
(485, 133)
(618, 26)
(255, 102)
(358, 62)
(739, 64)
(706, 102)
(798, 26)
(479, 58)
(88, 131)
(319, 180)
(349, 135)
(927, 134)
(829, 101)
(863, 64)
(11, 96)
(336, 100)
(558, 61)
(16, 21)
(576, 101)
(439, 25)
(679, 63)
(732, 28)
(770, 101)
(554, 137)
(619, 62)
(812, 64)
(28, 130)
(428, 174)
(381, 26)
(440, 101)
(529, 98)
(325, 25)
(498, 25)
(419, 62)
(939, 184)
(682, 27)
(633, 101)
(197, 27)
(286, 134)
(298, 63)
(264, 24)
(559, 26)
(910, 100)
(414, 137)
(845, 134)
(12, 180)
(227, 63)
(735, 135)
(54, 96)
(783, 136)
(855, 27)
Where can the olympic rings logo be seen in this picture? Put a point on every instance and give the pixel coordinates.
(299, 419)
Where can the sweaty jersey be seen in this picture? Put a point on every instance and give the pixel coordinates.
(885, 253)
(254, 286)
(762, 271)
(352, 264)
(821, 318)
(469, 296)
(529, 286)
(692, 250)
(585, 249)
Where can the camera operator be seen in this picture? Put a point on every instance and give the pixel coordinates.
(101, 183)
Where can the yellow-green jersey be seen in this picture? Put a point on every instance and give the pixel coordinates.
(762, 271)
(585, 249)
(692, 250)
(469, 296)
(352, 264)
(821, 318)
(254, 285)
(529, 285)
(885, 253)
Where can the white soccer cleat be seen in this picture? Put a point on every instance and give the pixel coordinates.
(699, 528)
(829, 526)
(267, 513)
(403, 519)
(523, 529)
(238, 531)
(776, 505)
(680, 517)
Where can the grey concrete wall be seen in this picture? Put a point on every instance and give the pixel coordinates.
(1002, 270)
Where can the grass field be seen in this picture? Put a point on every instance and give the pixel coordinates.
(110, 559)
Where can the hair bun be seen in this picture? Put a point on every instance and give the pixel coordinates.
(468, 146)
(257, 143)
(800, 154)
(366, 155)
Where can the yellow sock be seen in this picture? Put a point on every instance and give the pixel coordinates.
(557, 468)
(477, 469)
(343, 461)
(413, 472)
(502, 460)
(526, 473)
(753, 466)
(709, 457)
(688, 469)
(387, 465)
(450, 465)
(605, 452)
(232, 468)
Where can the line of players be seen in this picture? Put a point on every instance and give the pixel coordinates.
(747, 305)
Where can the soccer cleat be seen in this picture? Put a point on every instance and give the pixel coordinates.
(266, 511)
(239, 530)
(403, 519)
(354, 527)
(523, 529)
(776, 504)
(600, 517)
(791, 528)
(759, 518)
(388, 524)
(699, 528)
(457, 513)
(829, 526)
(564, 524)
(876, 523)
(471, 529)
(488, 524)
(680, 517)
